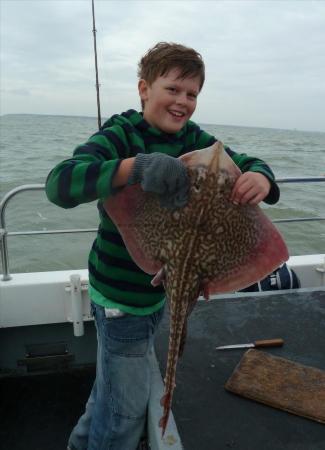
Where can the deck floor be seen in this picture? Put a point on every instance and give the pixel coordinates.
(211, 418)
(38, 412)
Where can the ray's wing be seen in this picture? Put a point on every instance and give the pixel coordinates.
(241, 246)
(144, 226)
(237, 245)
(148, 230)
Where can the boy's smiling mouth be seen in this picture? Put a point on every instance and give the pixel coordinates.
(176, 113)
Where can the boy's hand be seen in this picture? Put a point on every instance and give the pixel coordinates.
(163, 175)
(250, 187)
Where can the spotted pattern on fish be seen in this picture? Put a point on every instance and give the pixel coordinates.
(185, 241)
(220, 230)
(202, 247)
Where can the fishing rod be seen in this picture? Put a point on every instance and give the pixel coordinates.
(96, 66)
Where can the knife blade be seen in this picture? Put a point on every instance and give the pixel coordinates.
(256, 344)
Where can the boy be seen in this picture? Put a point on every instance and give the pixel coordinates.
(138, 148)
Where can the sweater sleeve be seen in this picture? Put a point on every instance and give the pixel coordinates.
(244, 162)
(88, 175)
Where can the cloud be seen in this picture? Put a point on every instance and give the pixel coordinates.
(264, 60)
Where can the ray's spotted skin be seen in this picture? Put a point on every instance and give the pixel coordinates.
(209, 246)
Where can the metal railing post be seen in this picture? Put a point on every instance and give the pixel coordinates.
(4, 255)
(3, 232)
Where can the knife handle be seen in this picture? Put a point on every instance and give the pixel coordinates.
(269, 343)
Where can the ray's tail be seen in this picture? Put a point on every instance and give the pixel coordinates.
(174, 346)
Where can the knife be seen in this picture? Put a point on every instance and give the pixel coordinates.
(255, 344)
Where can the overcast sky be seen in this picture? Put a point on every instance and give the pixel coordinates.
(265, 60)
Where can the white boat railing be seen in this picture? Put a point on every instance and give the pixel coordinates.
(41, 187)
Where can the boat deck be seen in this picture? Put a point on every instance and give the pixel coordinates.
(209, 417)
(38, 412)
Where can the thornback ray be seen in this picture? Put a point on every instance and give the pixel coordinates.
(209, 246)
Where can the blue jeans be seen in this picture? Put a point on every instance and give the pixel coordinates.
(115, 413)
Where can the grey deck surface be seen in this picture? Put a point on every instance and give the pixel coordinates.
(210, 418)
(38, 412)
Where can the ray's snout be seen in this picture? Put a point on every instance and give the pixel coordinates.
(214, 158)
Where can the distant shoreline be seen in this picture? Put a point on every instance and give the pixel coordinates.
(200, 123)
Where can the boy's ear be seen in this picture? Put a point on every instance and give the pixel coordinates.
(143, 89)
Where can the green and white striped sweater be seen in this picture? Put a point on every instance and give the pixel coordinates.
(115, 280)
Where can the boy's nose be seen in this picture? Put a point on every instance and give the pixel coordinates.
(181, 99)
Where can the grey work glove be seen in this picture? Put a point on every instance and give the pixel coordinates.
(163, 175)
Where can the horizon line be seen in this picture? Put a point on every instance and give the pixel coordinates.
(203, 123)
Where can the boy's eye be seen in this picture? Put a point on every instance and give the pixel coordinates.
(174, 90)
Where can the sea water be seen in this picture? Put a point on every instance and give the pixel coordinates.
(31, 145)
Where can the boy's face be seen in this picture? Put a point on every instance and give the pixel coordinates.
(169, 101)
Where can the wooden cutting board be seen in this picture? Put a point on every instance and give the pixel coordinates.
(280, 383)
